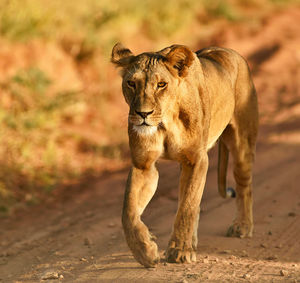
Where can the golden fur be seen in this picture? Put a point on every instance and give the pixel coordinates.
(181, 103)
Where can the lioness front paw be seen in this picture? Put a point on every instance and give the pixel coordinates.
(180, 255)
(146, 254)
(241, 230)
(143, 247)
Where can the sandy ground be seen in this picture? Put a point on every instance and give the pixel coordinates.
(79, 238)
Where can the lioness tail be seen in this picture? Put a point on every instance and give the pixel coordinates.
(222, 171)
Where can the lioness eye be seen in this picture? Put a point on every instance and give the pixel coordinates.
(161, 84)
(131, 84)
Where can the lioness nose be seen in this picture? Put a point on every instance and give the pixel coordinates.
(144, 114)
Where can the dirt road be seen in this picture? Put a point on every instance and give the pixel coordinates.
(78, 237)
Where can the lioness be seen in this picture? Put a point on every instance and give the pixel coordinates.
(181, 103)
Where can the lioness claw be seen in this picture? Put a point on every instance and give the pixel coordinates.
(240, 231)
(174, 255)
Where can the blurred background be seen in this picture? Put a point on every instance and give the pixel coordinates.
(63, 119)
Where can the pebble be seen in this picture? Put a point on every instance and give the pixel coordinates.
(246, 276)
(87, 241)
(270, 233)
(183, 281)
(188, 269)
(263, 246)
(113, 237)
(205, 260)
(111, 224)
(50, 275)
(272, 257)
(278, 246)
(83, 259)
(61, 276)
(283, 272)
(89, 214)
(292, 214)
(226, 252)
(244, 253)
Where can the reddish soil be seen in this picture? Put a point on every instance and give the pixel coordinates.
(79, 236)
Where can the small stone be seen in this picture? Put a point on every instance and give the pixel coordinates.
(205, 260)
(270, 233)
(216, 260)
(4, 254)
(292, 214)
(183, 281)
(263, 246)
(294, 265)
(192, 275)
(165, 264)
(244, 253)
(113, 237)
(279, 246)
(89, 214)
(188, 269)
(61, 276)
(111, 225)
(246, 276)
(283, 272)
(226, 252)
(272, 257)
(87, 241)
(83, 259)
(50, 275)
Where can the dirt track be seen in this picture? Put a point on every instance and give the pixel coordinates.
(79, 236)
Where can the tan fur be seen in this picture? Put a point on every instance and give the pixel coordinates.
(208, 95)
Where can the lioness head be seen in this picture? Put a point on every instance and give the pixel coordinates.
(149, 81)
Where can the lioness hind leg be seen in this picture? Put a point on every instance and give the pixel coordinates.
(241, 143)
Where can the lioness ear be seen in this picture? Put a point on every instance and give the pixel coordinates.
(121, 55)
(180, 58)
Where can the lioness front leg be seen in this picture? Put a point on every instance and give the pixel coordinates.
(141, 185)
(182, 245)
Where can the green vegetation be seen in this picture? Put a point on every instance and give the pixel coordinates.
(101, 23)
(53, 135)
